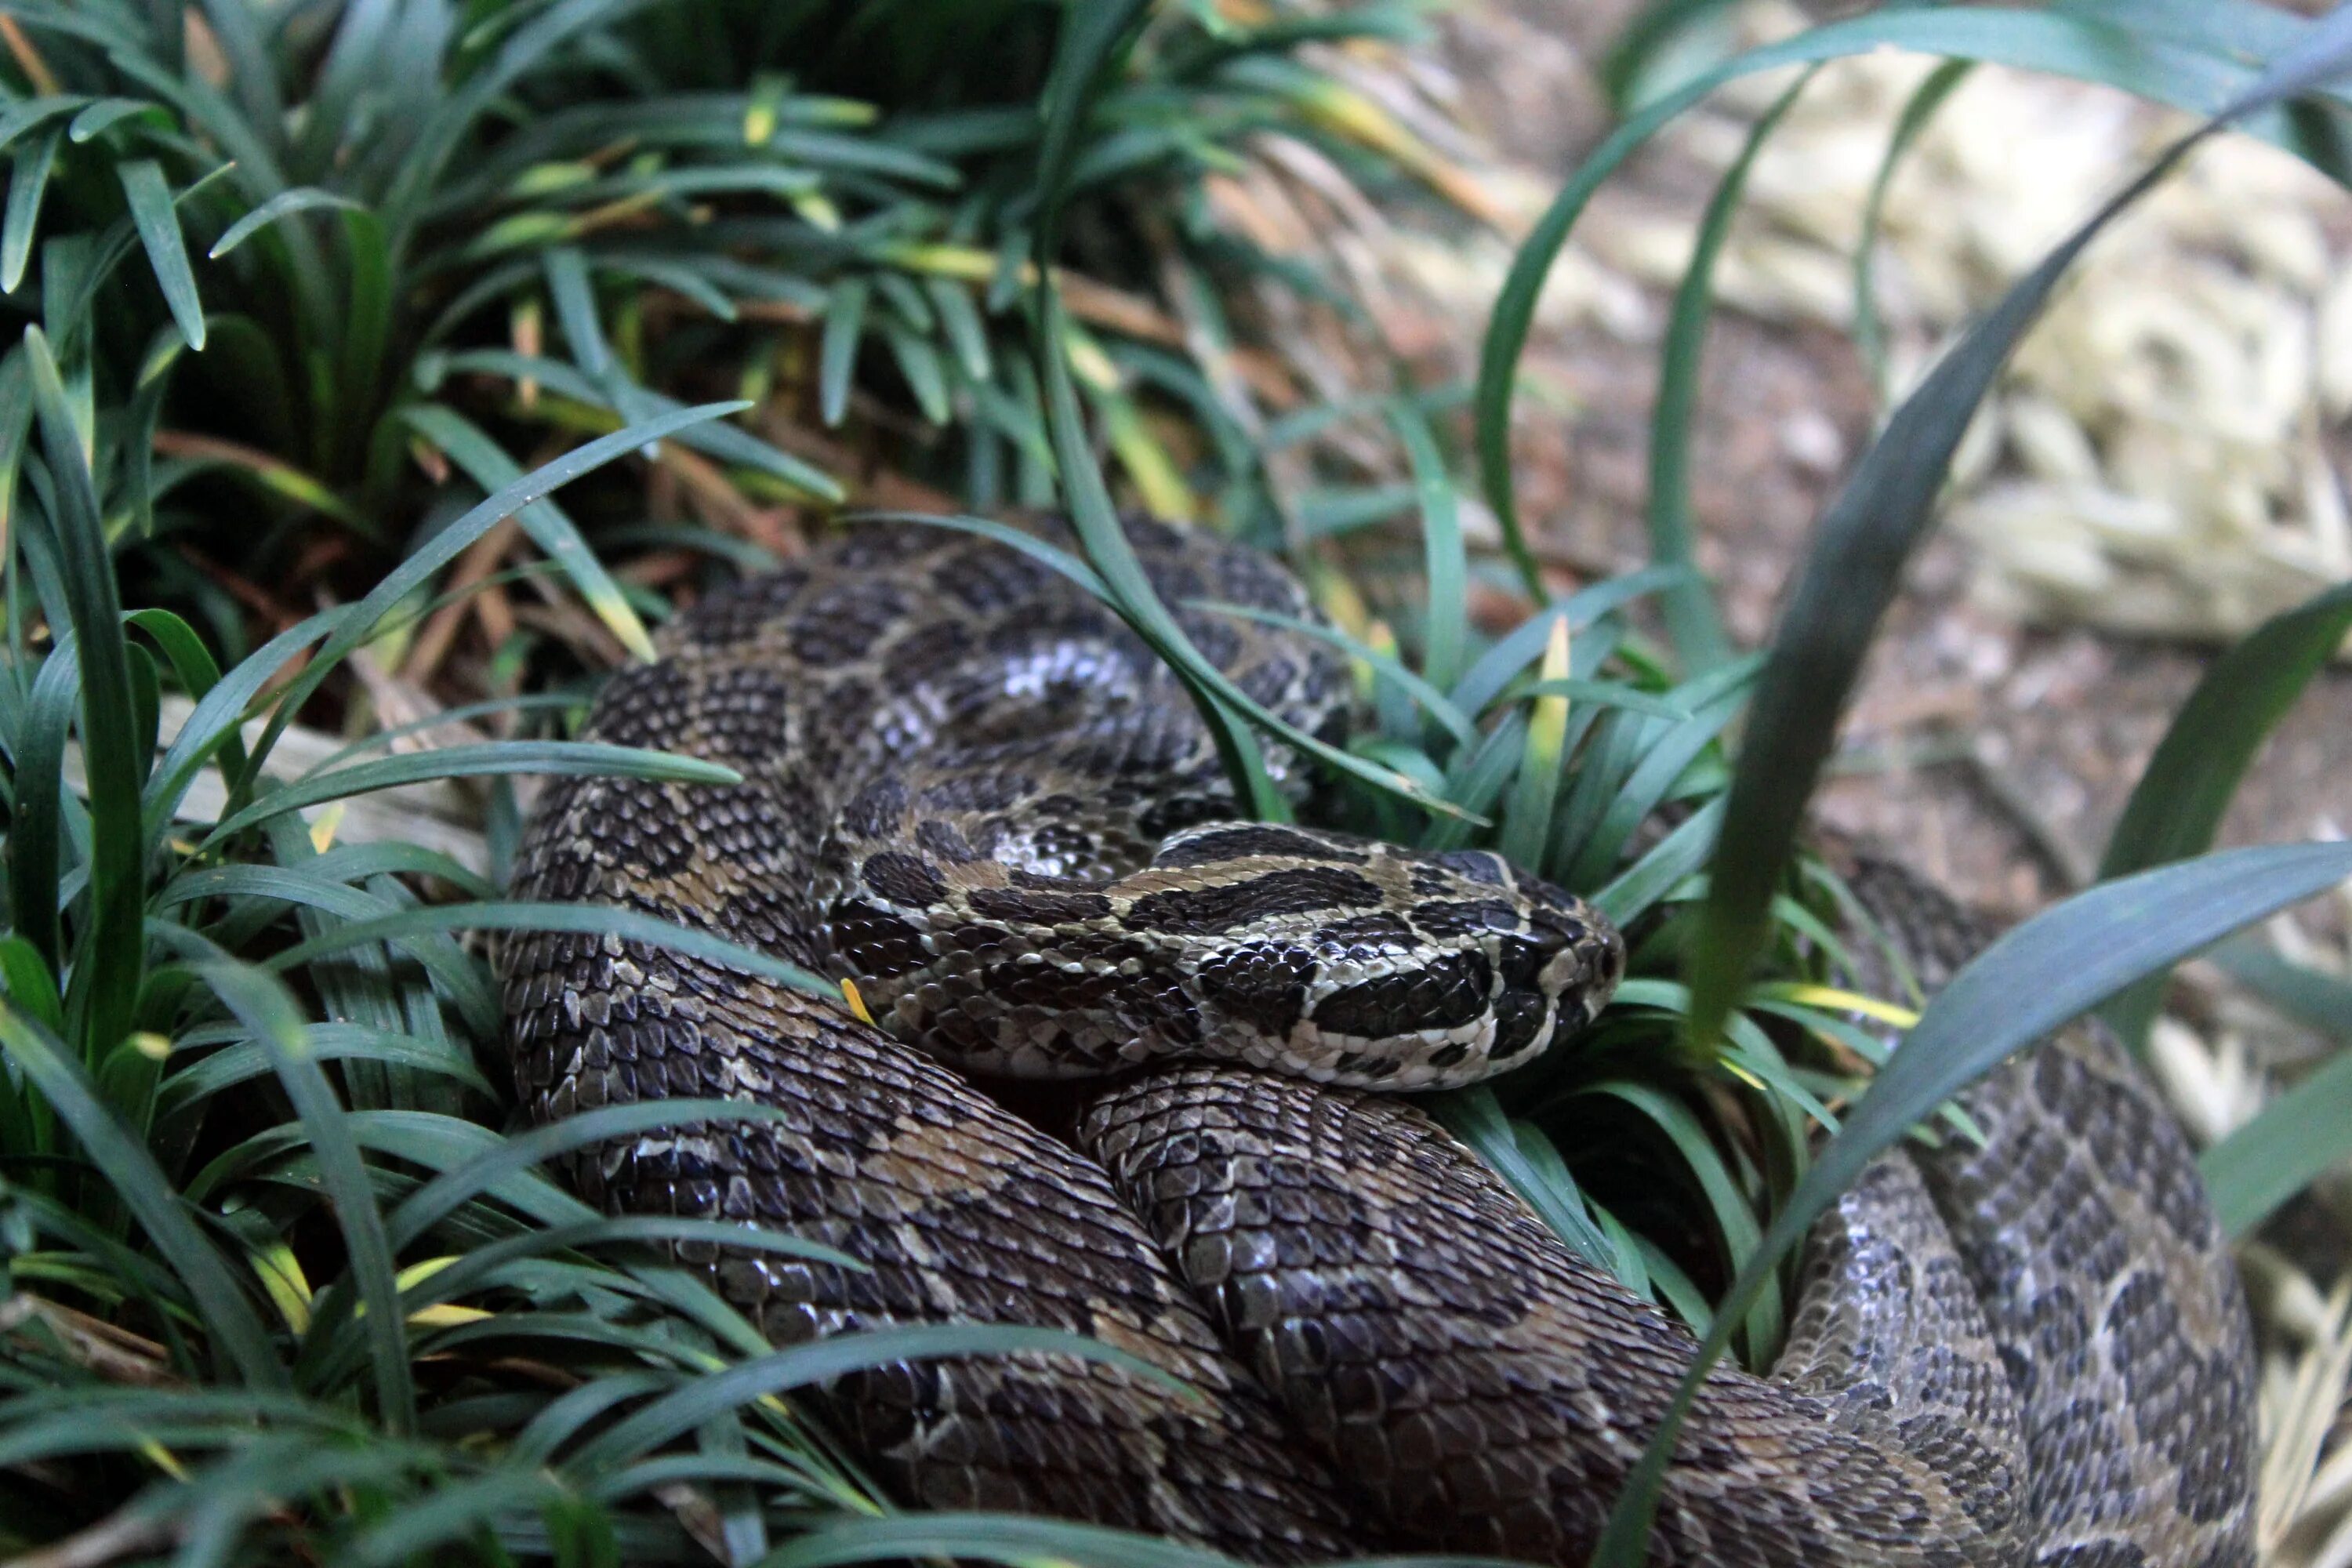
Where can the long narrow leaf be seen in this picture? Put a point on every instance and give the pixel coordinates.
(545, 522)
(268, 1009)
(114, 764)
(354, 626)
(2177, 805)
(2031, 981)
(823, 1360)
(2087, 49)
(159, 230)
(1003, 1538)
(1692, 619)
(229, 1318)
(483, 760)
(2299, 1136)
(1865, 538)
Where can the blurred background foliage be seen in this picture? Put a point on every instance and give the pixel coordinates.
(314, 304)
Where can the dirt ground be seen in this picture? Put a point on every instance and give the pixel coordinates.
(1997, 756)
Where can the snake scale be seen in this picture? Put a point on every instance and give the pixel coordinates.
(970, 789)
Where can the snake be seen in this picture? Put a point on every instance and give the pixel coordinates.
(1126, 1062)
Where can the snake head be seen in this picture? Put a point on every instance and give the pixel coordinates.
(1362, 963)
(1554, 960)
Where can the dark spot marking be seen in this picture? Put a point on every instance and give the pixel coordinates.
(1178, 809)
(647, 705)
(2216, 1473)
(943, 841)
(1442, 993)
(1469, 917)
(1475, 865)
(1434, 882)
(875, 941)
(843, 620)
(1208, 912)
(1984, 1482)
(1365, 937)
(991, 578)
(1269, 683)
(1218, 640)
(904, 880)
(2189, 1410)
(932, 647)
(874, 811)
(1032, 908)
(1260, 983)
(736, 612)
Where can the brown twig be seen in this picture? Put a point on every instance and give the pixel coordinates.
(29, 58)
(725, 507)
(116, 1354)
(440, 629)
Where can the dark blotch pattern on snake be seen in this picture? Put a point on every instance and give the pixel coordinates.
(971, 790)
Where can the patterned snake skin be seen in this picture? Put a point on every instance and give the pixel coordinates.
(968, 789)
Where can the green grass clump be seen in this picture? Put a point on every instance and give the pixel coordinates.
(327, 294)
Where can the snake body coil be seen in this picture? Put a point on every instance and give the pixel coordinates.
(971, 790)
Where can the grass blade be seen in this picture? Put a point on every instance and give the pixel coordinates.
(1865, 539)
(2311, 997)
(2026, 985)
(235, 1063)
(37, 809)
(1009, 1538)
(2296, 1138)
(359, 621)
(1474, 1116)
(1526, 823)
(2177, 805)
(1679, 855)
(844, 320)
(110, 727)
(285, 203)
(1693, 622)
(1447, 566)
(229, 1318)
(452, 1512)
(150, 198)
(823, 1360)
(600, 920)
(1501, 663)
(1869, 331)
(268, 1009)
(486, 758)
(29, 180)
(549, 527)
(500, 1159)
(576, 308)
(2087, 49)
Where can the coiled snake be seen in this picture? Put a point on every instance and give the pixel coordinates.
(971, 789)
